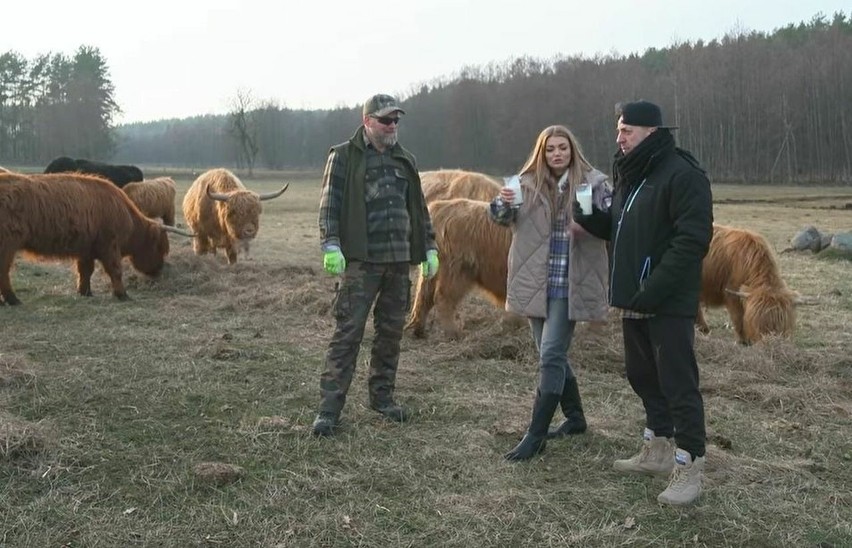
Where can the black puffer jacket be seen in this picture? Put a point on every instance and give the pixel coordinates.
(662, 223)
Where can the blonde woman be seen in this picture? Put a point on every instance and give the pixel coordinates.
(557, 273)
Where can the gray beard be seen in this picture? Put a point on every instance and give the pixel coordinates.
(383, 139)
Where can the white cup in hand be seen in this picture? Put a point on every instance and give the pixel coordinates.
(513, 183)
(584, 196)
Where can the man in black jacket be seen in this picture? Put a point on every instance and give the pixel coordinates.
(660, 225)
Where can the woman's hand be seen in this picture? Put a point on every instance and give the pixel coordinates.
(507, 195)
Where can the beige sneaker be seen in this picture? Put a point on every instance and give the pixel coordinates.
(655, 458)
(685, 483)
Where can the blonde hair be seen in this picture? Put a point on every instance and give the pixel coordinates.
(536, 164)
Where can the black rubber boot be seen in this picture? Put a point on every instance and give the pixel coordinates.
(572, 407)
(535, 440)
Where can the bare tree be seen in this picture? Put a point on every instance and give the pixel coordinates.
(242, 125)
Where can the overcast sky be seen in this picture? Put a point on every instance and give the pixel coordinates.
(179, 58)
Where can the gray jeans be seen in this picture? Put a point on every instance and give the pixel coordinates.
(552, 336)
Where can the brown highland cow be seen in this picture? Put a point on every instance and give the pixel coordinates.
(80, 217)
(474, 253)
(223, 213)
(740, 272)
(155, 198)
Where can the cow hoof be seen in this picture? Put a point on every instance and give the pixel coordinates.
(123, 297)
(13, 301)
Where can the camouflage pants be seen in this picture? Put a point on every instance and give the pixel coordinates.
(363, 283)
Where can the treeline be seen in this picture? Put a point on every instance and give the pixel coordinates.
(55, 105)
(752, 106)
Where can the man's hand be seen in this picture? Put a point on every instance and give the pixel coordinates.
(333, 261)
(598, 223)
(429, 267)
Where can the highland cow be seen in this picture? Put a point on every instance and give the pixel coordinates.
(446, 184)
(73, 216)
(741, 273)
(222, 213)
(474, 253)
(155, 198)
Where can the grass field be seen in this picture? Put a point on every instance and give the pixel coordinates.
(108, 408)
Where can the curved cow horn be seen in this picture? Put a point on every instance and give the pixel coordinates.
(175, 230)
(216, 195)
(740, 294)
(270, 195)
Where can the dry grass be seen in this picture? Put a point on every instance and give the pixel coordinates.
(20, 439)
(129, 424)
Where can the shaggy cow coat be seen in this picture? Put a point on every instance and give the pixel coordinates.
(740, 272)
(155, 198)
(473, 254)
(72, 216)
(223, 213)
(446, 184)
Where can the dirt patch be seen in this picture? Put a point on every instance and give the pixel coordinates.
(220, 473)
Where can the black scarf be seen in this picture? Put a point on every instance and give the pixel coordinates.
(629, 169)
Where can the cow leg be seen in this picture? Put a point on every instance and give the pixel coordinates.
(112, 266)
(85, 268)
(701, 321)
(201, 245)
(449, 293)
(169, 217)
(6, 259)
(231, 252)
(736, 311)
(424, 299)
(197, 245)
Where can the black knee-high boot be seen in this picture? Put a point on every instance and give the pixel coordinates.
(572, 407)
(535, 439)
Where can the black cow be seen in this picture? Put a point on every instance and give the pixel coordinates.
(62, 164)
(120, 175)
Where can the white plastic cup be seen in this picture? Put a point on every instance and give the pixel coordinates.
(584, 196)
(514, 183)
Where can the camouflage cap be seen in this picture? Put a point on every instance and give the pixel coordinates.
(381, 105)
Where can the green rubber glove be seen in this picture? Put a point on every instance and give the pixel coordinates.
(333, 261)
(429, 267)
